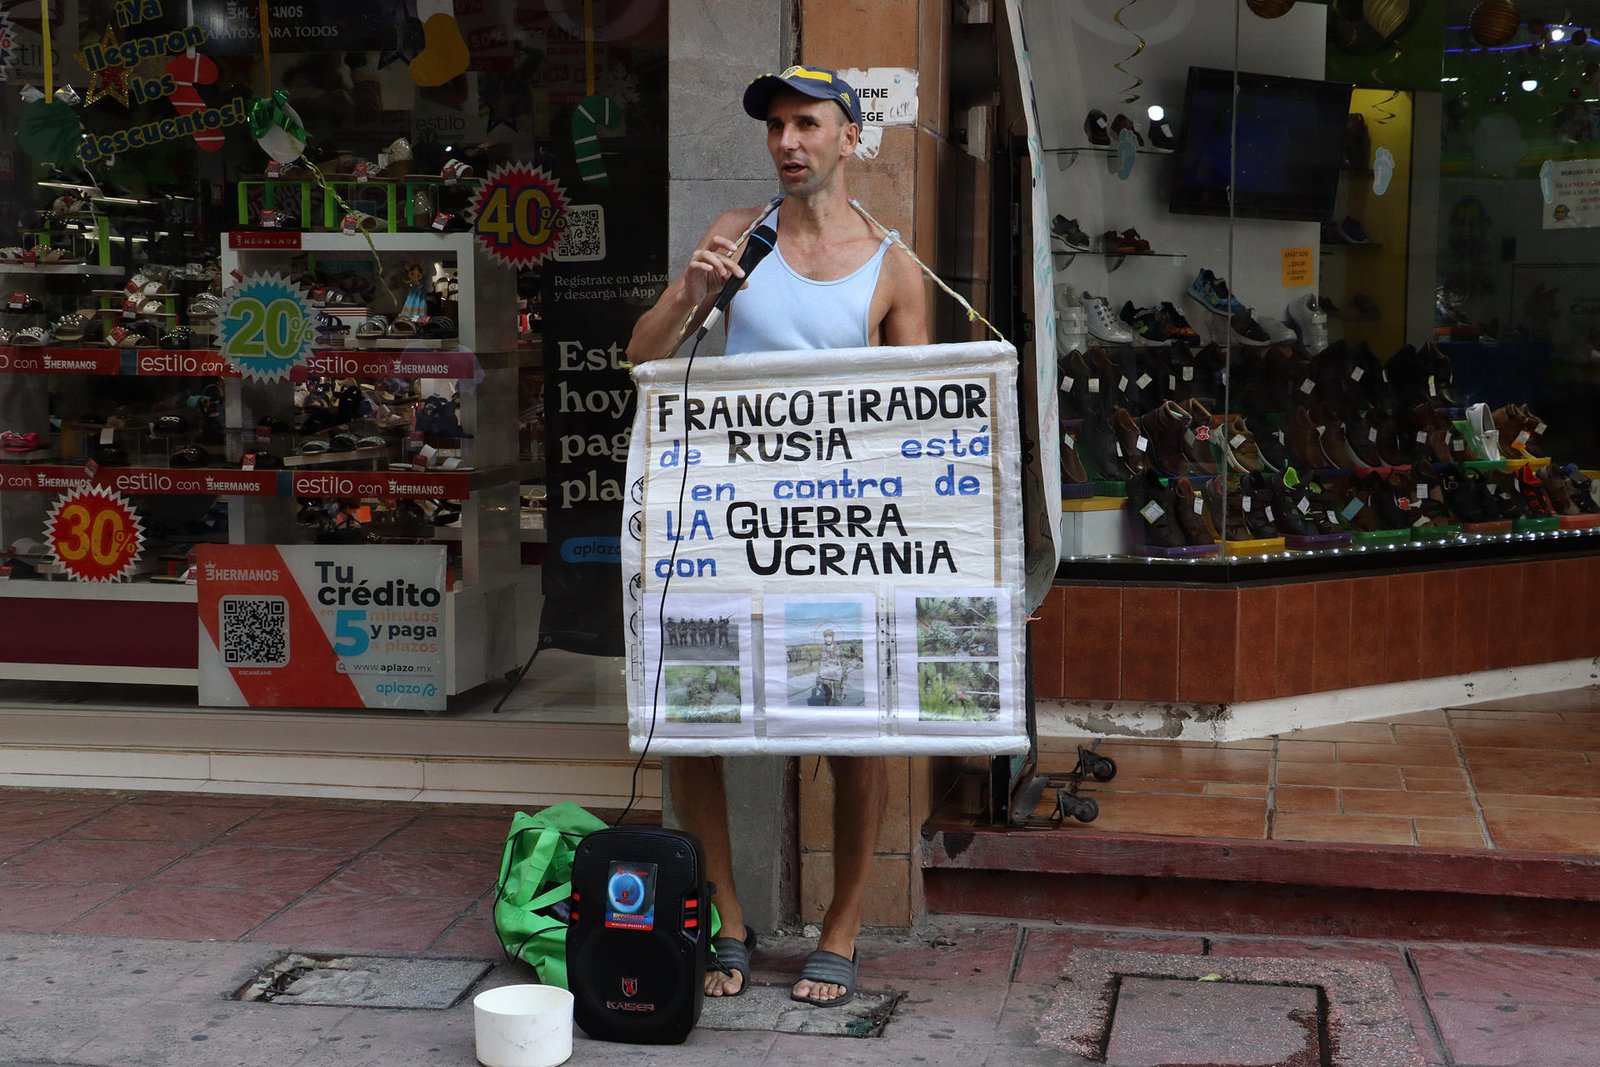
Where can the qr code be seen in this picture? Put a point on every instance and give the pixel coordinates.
(255, 631)
(583, 238)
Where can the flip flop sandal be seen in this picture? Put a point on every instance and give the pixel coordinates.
(169, 425)
(730, 956)
(402, 327)
(181, 337)
(151, 288)
(342, 442)
(152, 306)
(374, 326)
(33, 335)
(454, 170)
(55, 255)
(330, 327)
(372, 441)
(830, 967)
(314, 447)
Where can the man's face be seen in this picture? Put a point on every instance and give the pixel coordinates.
(808, 139)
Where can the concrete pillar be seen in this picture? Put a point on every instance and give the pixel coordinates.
(717, 159)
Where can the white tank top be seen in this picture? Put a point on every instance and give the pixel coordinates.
(781, 310)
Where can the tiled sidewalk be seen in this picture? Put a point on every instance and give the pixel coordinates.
(1521, 774)
(354, 874)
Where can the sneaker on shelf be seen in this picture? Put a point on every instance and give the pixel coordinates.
(1246, 330)
(1178, 327)
(1097, 129)
(1305, 314)
(1211, 292)
(1331, 234)
(1277, 331)
(1113, 243)
(1103, 323)
(1162, 139)
(1123, 122)
(1350, 229)
(1069, 233)
(1147, 324)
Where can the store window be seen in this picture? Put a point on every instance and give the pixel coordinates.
(447, 215)
(1321, 277)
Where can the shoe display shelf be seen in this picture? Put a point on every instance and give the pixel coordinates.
(486, 546)
(1114, 260)
(407, 203)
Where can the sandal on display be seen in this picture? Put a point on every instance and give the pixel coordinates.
(33, 335)
(375, 326)
(71, 327)
(402, 327)
(830, 967)
(438, 327)
(730, 956)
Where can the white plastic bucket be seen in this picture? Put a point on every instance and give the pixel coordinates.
(523, 1026)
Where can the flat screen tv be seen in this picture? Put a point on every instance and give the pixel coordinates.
(1289, 146)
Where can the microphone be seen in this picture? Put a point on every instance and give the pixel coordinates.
(763, 239)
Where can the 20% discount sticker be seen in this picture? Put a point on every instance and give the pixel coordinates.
(94, 534)
(268, 327)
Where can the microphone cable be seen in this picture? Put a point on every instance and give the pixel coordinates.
(672, 558)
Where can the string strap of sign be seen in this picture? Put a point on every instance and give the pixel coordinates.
(44, 41)
(895, 239)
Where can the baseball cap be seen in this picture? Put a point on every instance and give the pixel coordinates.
(818, 82)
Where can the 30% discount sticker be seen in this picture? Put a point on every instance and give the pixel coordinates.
(268, 328)
(94, 534)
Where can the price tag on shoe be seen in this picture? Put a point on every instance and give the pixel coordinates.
(1244, 503)
(441, 221)
(1236, 440)
(1144, 381)
(1151, 512)
(1199, 506)
(1304, 505)
(1122, 384)
(1522, 438)
(1433, 390)
(1172, 383)
(18, 301)
(1188, 373)
(1357, 373)
(1352, 509)
(1422, 490)
(1094, 385)
(1372, 435)
(1066, 385)
(1307, 386)
(1541, 428)
(1141, 443)
(1422, 437)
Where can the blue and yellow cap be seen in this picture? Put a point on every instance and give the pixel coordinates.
(819, 82)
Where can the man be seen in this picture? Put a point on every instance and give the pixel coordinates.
(832, 282)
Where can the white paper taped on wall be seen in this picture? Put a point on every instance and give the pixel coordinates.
(822, 553)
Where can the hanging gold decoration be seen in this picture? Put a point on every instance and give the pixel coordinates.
(1270, 9)
(1386, 16)
(1494, 22)
(1137, 81)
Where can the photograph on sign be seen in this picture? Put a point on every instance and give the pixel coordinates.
(698, 665)
(821, 664)
(951, 671)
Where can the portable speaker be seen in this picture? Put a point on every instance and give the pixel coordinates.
(638, 942)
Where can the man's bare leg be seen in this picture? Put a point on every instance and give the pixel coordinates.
(860, 793)
(699, 798)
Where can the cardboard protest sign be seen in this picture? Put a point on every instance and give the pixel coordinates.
(822, 552)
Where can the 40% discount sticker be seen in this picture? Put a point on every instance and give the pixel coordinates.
(517, 214)
(94, 534)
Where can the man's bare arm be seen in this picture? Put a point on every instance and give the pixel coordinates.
(906, 321)
(657, 333)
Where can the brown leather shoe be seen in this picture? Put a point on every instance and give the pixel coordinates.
(1132, 446)
(1534, 427)
(1192, 518)
(1305, 441)
(1072, 470)
(1197, 441)
(1426, 420)
(1508, 423)
(1165, 428)
(1077, 399)
(1238, 444)
(1559, 489)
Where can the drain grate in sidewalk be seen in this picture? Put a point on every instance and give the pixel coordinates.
(364, 981)
(1243, 1024)
(1138, 1008)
